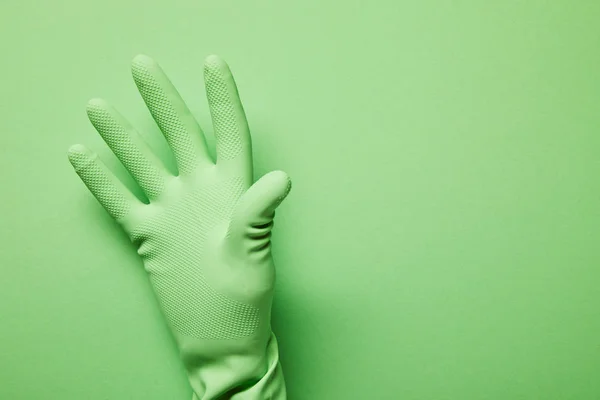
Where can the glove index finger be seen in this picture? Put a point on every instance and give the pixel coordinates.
(232, 134)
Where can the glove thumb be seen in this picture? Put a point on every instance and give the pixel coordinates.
(252, 219)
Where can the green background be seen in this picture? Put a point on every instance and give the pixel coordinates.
(441, 241)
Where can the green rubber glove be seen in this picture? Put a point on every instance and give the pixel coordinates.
(204, 236)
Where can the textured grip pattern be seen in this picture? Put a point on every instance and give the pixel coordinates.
(99, 182)
(165, 115)
(123, 145)
(172, 246)
(224, 113)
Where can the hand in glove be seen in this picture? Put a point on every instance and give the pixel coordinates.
(204, 235)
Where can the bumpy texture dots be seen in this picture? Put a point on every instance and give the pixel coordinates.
(282, 197)
(164, 112)
(172, 246)
(214, 287)
(126, 146)
(224, 113)
(96, 178)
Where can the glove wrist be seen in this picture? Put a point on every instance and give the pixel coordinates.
(249, 370)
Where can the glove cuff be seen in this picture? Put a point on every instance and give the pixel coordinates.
(250, 373)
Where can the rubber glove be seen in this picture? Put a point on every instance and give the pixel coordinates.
(204, 235)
